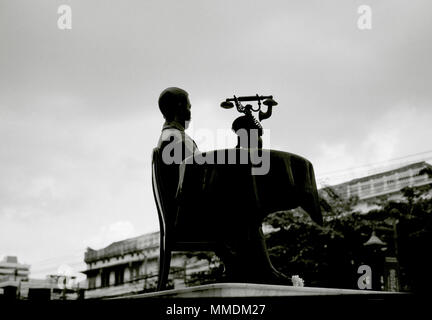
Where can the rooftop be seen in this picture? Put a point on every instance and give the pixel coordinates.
(405, 168)
(123, 247)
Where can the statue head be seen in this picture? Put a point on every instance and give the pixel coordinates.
(175, 106)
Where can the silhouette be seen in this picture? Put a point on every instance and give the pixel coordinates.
(220, 207)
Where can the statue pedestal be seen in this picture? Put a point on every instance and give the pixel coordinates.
(244, 290)
(262, 301)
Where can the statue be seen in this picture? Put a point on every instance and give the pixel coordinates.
(225, 203)
(248, 122)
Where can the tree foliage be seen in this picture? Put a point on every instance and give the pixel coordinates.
(329, 255)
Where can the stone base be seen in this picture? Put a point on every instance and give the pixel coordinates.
(240, 290)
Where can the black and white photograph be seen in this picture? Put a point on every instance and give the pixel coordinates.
(205, 159)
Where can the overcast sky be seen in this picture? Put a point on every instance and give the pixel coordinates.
(79, 115)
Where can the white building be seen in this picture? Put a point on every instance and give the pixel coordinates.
(131, 266)
(15, 282)
(10, 269)
(387, 184)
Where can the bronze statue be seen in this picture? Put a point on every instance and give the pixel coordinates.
(223, 205)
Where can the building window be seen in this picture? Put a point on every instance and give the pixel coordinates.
(391, 182)
(354, 193)
(136, 272)
(119, 276)
(420, 178)
(105, 277)
(378, 184)
(404, 181)
(365, 187)
(92, 282)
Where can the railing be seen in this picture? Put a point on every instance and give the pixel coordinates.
(95, 255)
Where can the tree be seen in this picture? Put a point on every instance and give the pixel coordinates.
(329, 255)
(319, 254)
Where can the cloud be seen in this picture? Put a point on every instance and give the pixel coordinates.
(79, 116)
(115, 231)
(398, 134)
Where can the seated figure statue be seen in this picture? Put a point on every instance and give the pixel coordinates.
(174, 143)
(244, 254)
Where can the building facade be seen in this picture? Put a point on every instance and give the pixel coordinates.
(11, 269)
(131, 266)
(38, 289)
(385, 184)
(16, 284)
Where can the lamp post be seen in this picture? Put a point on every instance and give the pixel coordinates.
(16, 276)
(391, 262)
(393, 221)
(145, 271)
(375, 242)
(376, 246)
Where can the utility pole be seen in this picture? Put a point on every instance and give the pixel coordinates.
(145, 272)
(392, 263)
(184, 271)
(64, 288)
(18, 294)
